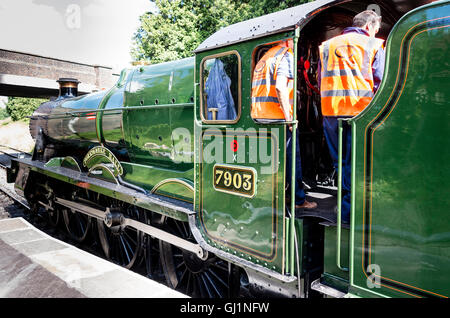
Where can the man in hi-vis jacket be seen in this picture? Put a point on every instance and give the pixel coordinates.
(350, 72)
(272, 99)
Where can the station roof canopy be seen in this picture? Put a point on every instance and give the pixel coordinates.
(288, 19)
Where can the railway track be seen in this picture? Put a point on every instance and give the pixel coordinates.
(9, 208)
(11, 205)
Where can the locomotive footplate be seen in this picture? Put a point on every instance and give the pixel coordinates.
(170, 207)
(8, 153)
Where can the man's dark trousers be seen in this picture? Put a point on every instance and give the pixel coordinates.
(330, 128)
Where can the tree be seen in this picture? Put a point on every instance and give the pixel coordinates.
(181, 25)
(19, 107)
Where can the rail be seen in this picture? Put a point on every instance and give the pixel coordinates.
(15, 197)
(339, 200)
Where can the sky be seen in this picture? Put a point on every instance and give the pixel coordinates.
(86, 31)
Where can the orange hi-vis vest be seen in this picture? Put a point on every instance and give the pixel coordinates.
(265, 103)
(346, 75)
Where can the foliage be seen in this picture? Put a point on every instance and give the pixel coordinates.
(3, 113)
(181, 25)
(19, 107)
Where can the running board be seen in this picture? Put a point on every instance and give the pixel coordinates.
(326, 290)
(169, 207)
(112, 219)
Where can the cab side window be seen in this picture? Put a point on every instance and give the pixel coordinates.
(220, 88)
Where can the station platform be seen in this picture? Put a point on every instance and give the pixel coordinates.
(36, 265)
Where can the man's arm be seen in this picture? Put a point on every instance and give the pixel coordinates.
(378, 69)
(283, 96)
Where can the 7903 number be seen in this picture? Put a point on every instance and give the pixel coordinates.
(235, 180)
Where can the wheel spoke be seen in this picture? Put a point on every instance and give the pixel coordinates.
(206, 285)
(180, 265)
(130, 248)
(213, 284)
(125, 249)
(119, 253)
(122, 245)
(80, 224)
(220, 280)
(197, 290)
(189, 285)
(220, 266)
(180, 231)
(130, 238)
(194, 277)
(183, 276)
(186, 230)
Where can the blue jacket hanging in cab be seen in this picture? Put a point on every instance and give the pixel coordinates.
(219, 93)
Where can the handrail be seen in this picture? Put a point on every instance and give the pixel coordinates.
(352, 206)
(74, 113)
(339, 199)
(293, 156)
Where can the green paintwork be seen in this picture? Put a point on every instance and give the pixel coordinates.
(65, 162)
(401, 166)
(54, 162)
(149, 176)
(177, 188)
(156, 138)
(150, 120)
(334, 276)
(111, 190)
(250, 228)
(71, 163)
(109, 120)
(166, 92)
(102, 172)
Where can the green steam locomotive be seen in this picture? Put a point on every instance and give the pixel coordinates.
(159, 174)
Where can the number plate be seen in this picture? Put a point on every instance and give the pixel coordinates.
(235, 180)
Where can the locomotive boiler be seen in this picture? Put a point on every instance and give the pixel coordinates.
(168, 167)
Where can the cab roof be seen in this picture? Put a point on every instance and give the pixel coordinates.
(288, 19)
(276, 22)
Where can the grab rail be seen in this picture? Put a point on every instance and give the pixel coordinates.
(127, 108)
(293, 157)
(339, 199)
